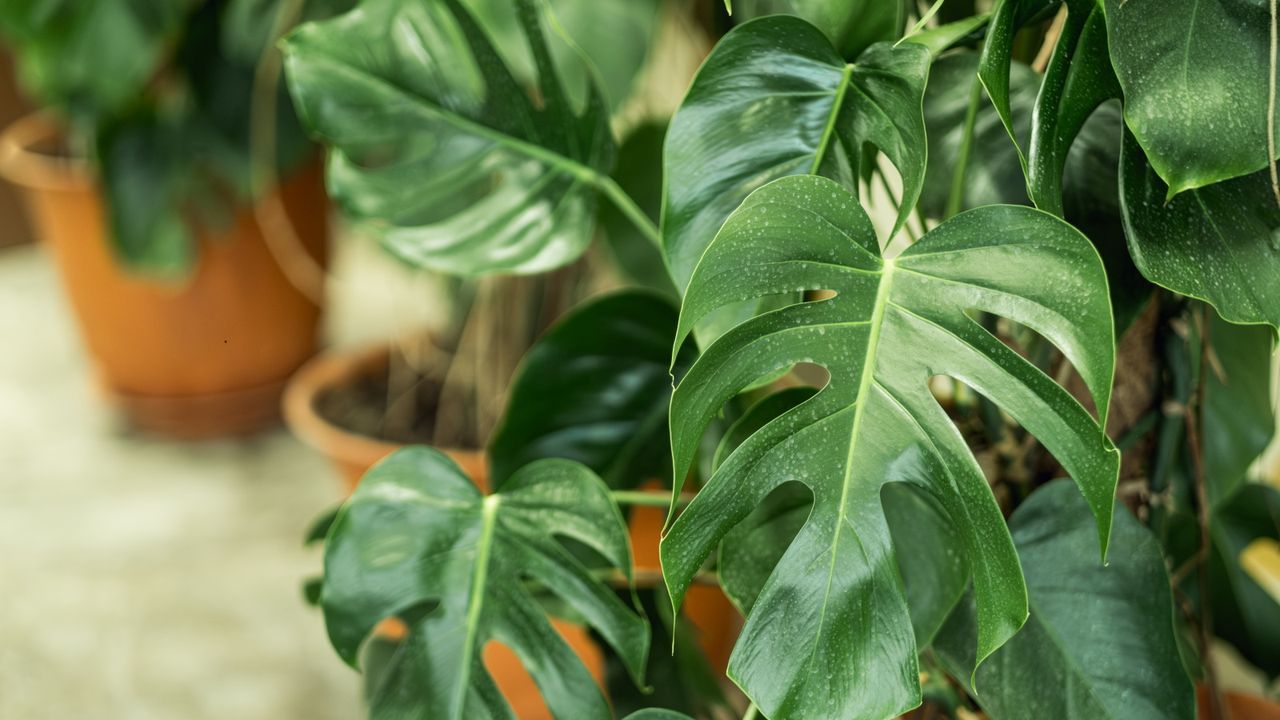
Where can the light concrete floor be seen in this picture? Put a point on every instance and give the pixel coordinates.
(144, 579)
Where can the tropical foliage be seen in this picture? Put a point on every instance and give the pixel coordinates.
(867, 424)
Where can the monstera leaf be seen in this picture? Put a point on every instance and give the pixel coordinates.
(995, 68)
(434, 140)
(1195, 76)
(1100, 642)
(829, 634)
(594, 389)
(417, 540)
(774, 98)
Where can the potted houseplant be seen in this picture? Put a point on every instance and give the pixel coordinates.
(195, 275)
(907, 451)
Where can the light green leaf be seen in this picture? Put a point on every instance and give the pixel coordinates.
(851, 25)
(1195, 77)
(1219, 243)
(594, 389)
(435, 142)
(417, 540)
(773, 99)
(1100, 640)
(830, 634)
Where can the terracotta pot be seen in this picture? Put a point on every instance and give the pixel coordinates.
(1238, 705)
(202, 357)
(351, 453)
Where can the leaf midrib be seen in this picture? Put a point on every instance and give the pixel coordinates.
(475, 602)
(865, 383)
(558, 161)
(832, 115)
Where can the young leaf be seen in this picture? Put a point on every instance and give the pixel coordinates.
(433, 139)
(1219, 243)
(594, 389)
(419, 541)
(997, 55)
(1195, 75)
(774, 98)
(1099, 644)
(851, 25)
(830, 634)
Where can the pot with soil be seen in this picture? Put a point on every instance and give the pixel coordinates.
(196, 356)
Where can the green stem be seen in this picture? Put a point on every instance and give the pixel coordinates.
(966, 147)
(623, 201)
(884, 183)
(752, 712)
(648, 498)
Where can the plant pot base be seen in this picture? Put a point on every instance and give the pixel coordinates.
(204, 416)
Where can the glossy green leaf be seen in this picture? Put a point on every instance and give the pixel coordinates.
(417, 540)
(994, 69)
(436, 143)
(1100, 640)
(1195, 76)
(830, 634)
(773, 99)
(851, 25)
(594, 389)
(1078, 79)
(1219, 243)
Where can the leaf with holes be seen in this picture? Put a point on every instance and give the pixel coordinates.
(774, 98)
(830, 634)
(417, 540)
(434, 141)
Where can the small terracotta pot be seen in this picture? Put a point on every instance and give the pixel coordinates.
(202, 357)
(1237, 705)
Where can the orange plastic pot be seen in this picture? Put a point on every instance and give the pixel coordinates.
(205, 356)
(1237, 705)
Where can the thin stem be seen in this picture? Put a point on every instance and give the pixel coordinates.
(623, 202)
(752, 712)
(884, 183)
(924, 19)
(649, 498)
(956, 197)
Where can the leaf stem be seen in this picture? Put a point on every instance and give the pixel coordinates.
(752, 712)
(649, 498)
(1271, 110)
(623, 202)
(956, 197)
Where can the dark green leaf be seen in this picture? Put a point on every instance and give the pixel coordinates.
(1100, 640)
(773, 99)
(832, 622)
(851, 25)
(1243, 612)
(1195, 77)
(594, 389)
(434, 141)
(419, 541)
(997, 55)
(1219, 243)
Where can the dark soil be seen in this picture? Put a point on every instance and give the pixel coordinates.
(361, 407)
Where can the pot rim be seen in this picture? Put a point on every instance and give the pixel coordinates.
(326, 370)
(23, 166)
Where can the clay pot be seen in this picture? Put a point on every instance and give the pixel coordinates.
(1237, 705)
(202, 357)
(351, 453)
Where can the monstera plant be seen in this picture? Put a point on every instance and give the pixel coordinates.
(955, 368)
